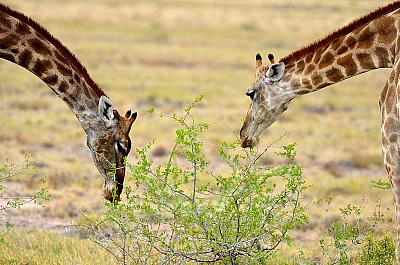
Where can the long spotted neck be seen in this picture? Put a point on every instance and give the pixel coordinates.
(24, 42)
(368, 47)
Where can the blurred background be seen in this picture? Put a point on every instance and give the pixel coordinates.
(163, 54)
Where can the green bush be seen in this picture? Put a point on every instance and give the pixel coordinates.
(9, 170)
(379, 250)
(183, 212)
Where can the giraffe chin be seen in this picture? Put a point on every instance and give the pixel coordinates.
(110, 192)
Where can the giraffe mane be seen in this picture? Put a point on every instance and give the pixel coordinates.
(68, 55)
(296, 55)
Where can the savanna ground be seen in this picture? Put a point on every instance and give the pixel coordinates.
(162, 54)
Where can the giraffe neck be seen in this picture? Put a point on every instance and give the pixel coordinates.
(367, 47)
(25, 43)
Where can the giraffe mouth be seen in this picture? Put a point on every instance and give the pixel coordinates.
(248, 142)
(111, 192)
(113, 187)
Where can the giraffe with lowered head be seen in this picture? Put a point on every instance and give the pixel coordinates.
(26, 43)
(368, 43)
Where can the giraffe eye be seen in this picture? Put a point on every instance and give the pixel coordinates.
(121, 147)
(251, 93)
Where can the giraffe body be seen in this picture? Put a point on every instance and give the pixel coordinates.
(27, 44)
(369, 43)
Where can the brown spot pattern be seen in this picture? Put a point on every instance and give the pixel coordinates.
(383, 23)
(41, 66)
(23, 29)
(336, 44)
(326, 60)
(365, 34)
(51, 80)
(359, 29)
(348, 63)
(334, 75)
(342, 50)
(306, 83)
(39, 47)
(388, 37)
(383, 56)
(68, 101)
(63, 70)
(8, 41)
(300, 67)
(356, 25)
(316, 79)
(309, 58)
(5, 20)
(317, 57)
(3, 30)
(386, 29)
(63, 87)
(365, 61)
(309, 69)
(25, 58)
(350, 42)
(366, 39)
(76, 94)
(7, 56)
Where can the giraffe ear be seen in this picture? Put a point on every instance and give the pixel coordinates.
(106, 111)
(275, 72)
(258, 60)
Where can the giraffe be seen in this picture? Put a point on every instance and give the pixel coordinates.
(368, 43)
(25, 43)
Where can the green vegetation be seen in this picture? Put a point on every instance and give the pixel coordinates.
(7, 172)
(378, 250)
(248, 214)
(171, 216)
(161, 54)
(41, 247)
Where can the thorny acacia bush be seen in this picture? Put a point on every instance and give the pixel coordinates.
(171, 215)
(8, 171)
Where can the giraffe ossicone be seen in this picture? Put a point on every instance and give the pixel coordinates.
(368, 43)
(27, 44)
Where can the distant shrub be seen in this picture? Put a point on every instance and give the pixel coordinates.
(9, 170)
(349, 240)
(379, 250)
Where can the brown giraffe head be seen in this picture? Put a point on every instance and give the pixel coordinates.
(110, 144)
(270, 97)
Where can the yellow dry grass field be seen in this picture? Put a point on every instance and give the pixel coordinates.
(163, 54)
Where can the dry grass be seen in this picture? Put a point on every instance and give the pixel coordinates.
(163, 54)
